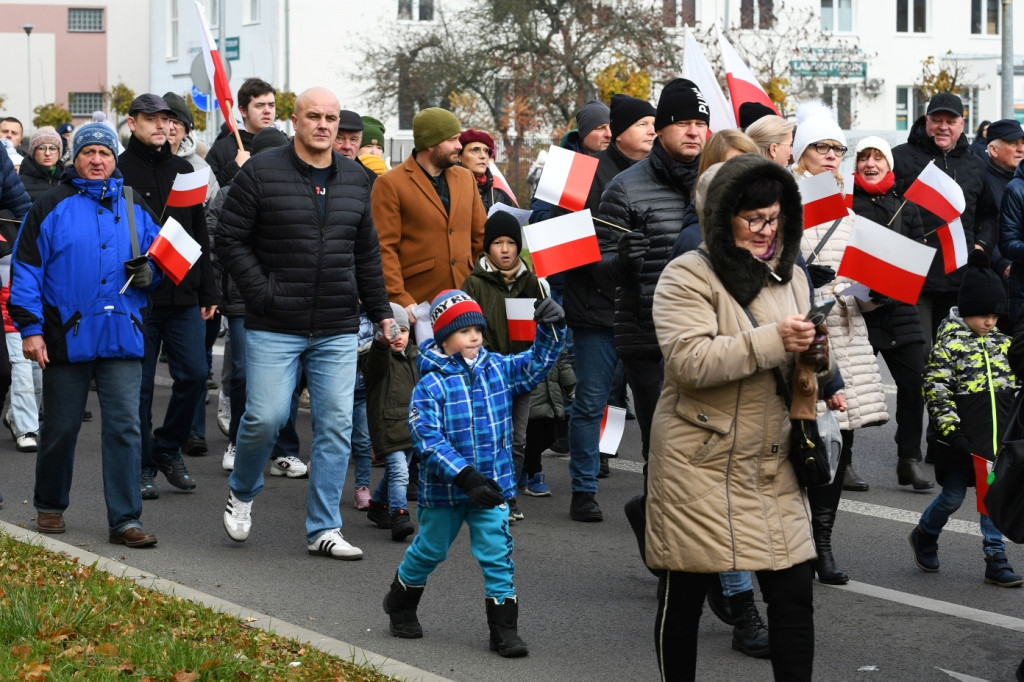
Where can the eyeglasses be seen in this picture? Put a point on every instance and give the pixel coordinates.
(48, 148)
(486, 151)
(823, 147)
(758, 223)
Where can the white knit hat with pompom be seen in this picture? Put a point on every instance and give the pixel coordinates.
(815, 121)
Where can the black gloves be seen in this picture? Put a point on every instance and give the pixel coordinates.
(958, 443)
(881, 299)
(481, 490)
(820, 275)
(547, 311)
(632, 247)
(143, 274)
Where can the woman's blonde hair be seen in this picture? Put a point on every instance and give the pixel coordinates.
(720, 144)
(769, 130)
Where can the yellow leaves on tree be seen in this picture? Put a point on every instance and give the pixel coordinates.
(944, 74)
(622, 77)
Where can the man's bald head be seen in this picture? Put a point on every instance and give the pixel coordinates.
(317, 94)
(316, 125)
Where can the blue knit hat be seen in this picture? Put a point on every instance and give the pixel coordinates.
(94, 133)
(453, 310)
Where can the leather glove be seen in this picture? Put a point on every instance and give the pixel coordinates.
(958, 443)
(881, 299)
(481, 490)
(632, 247)
(143, 274)
(820, 274)
(547, 311)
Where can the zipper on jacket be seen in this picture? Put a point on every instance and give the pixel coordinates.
(321, 222)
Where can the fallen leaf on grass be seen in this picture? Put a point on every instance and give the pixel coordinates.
(182, 676)
(107, 649)
(20, 651)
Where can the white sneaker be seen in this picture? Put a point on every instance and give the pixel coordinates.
(27, 443)
(237, 518)
(331, 544)
(227, 462)
(292, 467)
(224, 413)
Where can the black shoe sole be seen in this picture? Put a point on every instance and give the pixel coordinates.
(753, 653)
(587, 517)
(863, 488)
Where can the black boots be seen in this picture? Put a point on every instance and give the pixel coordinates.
(584, 508)
(502, 620)
(750, 636)
(908, 472)
(822, 521)
(400, 603)
(720, 604)
(851, 481)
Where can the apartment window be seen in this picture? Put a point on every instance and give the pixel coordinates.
(85, 20)
(911, 16)
(840, 98)
(757, 13)
(84, 103)
(172, 29)
(985, 17)
(837, 15)
(251, 12)
(911, 105)
(679, 12)
(416, 10)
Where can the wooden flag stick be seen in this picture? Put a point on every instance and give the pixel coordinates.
(897, 213)
(605, 222)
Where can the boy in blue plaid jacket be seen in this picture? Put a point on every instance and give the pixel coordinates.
(460, 420)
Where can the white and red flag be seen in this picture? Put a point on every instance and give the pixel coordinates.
(937, 192)
(562, 243)
(215, 70)
(954, 245)
(983, 477)
(519, 313)
(174, 250)
(501, 183)
(743, 85)
(566, 178)
(613, 424)
(886, 261)
(189, 189)
(848, 185)
(697, 69)
(823, 202)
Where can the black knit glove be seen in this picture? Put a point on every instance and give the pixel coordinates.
(632, 247)
(820, 275)
(143, 274)
(547, 311)
(958, 443)
(481, 490)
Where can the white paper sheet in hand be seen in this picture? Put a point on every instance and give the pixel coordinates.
(520, 214)
(422, 327)
(613, 424)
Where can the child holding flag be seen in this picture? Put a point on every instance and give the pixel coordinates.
(969, 390)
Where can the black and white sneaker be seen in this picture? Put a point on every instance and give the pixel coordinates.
(332, 544)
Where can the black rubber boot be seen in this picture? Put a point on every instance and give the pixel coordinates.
(502, 620)
(400, 604)
(584, 508)
(720, 604)
(750, 637)
(908, 472)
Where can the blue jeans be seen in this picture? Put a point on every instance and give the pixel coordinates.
(66, 389)
(273, 365)
(395, 482)
(595, 364)
(954, 489)
(182, 330)
(489, 540)
(734, 582)
(362, 448)
(26, 389)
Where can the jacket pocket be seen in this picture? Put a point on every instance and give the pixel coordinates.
(712, 424)
(418, 268)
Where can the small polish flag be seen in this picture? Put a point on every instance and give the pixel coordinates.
(886, 261)
(566, 178)
(189, 189)
(848, 184)
(613, 424)
(743, 85)
(954, 245)
(697, 69)
(562, 243)
(501, 183)
(174, 250)
(519, 312)
(215, 69)
(823, 202)
(937, 192)
(983, 477)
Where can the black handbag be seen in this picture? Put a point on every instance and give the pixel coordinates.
(1004, 500)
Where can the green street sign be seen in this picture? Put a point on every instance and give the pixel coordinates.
(231, 48)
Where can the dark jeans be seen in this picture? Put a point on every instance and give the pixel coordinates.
(789, 596)
(540, 434)
(644, 376)
(198, 428)
(906, 364)
(595, 364)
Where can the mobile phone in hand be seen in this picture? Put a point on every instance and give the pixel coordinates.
(820, 310)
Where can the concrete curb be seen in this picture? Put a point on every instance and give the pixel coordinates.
(383, 664)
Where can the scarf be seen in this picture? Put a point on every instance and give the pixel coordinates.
(508, 275)
(877, 189)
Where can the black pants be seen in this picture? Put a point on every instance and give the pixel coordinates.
(906, 364)
(644, 377)
(789, 595)
(824, 499)
(540, 434)
(933, 309)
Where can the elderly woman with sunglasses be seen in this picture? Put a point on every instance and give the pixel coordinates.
(477, 152)
(819, 146)
(41, 169)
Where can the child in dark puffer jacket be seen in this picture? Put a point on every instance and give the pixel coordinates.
(547, 405)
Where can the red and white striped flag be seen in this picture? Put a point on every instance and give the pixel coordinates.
(613, 424)
(501, 183)
(886, 261)
(937, 192)
(215, 70)
(174, 250)
(848, 185)
(519, 312)
(189, 189)
(697, 69)
(823, 202)
(562, 243)
(743, 85)
(566, 178)
(954, 245)
(983, 477)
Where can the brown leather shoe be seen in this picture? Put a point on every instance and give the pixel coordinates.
(50, 523)
(133, 537)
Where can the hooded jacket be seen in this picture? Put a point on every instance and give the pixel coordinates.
(722, 494)
(38, 180)
(487, 286)
(390, 377)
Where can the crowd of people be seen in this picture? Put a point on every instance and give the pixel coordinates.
(382, 293)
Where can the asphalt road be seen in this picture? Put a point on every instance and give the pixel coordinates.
(587, 604)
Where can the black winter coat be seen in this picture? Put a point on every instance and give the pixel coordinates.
(490, 194)
(651, 197)
(221, 156)
(959, 163)
(151, 172)
(231, 302)
(996, 180)
(38, 180)
(893, 324)
(300, 272)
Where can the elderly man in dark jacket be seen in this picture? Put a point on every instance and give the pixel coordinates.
(296, 235)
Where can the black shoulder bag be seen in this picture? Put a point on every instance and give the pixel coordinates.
(1005, 498)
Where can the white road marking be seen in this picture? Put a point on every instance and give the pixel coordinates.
(893, 514)
(961, 676)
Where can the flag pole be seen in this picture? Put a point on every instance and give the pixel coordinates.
(897, 213)
(543, 295)
(605, 222)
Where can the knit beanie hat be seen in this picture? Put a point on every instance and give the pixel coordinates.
(480, 136)
(815, 121)
(453, 310)
(349, 121)
(625, 111)
(751, 112)
(981, 291)
(502, 224)
(592, 114)
(400, 315)
(45, 135)
(875, 142)
(179, 109)
(373, 131)
(681, 101)
(267, 138)
(93, 133)
(433, 126)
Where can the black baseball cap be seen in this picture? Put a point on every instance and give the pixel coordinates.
(149, 104)
(947, 102)
(1004, 129)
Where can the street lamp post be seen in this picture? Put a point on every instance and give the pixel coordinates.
(27, 28)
